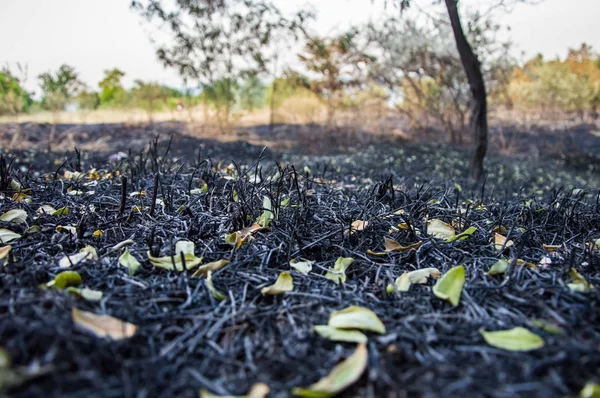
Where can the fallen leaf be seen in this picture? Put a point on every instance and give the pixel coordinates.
(87, 253)
(284, 283)
(98, 234)
(337, 273)
(449, 286)
(500, 241)
(128, 261)
(404, 281)
(85, 293)
(212, 266)
(551, 248)
(66, 228)
(6, 235)
(267, 216)
(258, 390)
(65, 279)
(546, 326)
(359, 225)
(335, 334)
(342, 376)
(463, 235)
(63, 211)
(211, 288)
(355, 317)
(590, 390)
(439, 229)
(304, 267)
(578, 282)
(499, 267)
(103, 325)
(4, 252)
(15, 216)
(238, 237)
(175, 263)
(516, 339)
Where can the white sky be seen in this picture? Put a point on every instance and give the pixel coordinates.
(94, 35)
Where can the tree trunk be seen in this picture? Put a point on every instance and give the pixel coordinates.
(478, 125)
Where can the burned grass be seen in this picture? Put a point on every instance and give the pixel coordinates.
(188, 339)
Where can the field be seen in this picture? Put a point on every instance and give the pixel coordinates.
(388, 203)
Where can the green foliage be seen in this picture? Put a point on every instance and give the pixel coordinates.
(251, 93)
(149, 96)
(112, 93)
(13, 98)
(284, 87)
(87, 100)
(59, 87)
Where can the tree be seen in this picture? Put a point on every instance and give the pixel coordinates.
(112, 92)
(150, 97)
(251, 93)
(13, 98)
(87, 101)
(222, 96)
(339, 65)
(58, 88)
(218, 42)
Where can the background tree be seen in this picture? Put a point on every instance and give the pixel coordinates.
(216, 43)
(251, 93)
(87, 101)
(112, 93)
(58, 88)
(150, 97)
(13, 98)
(338, 65)
(222, 96)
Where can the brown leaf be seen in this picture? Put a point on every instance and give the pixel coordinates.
(103, 325)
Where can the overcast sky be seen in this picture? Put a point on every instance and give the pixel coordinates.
(94, 35)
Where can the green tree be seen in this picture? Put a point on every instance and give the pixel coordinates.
(251, 93)
(222, 96)
(150, 97)
(58, 88)
(112, 93)
(87, 101)
(339, 66)
(13, 98)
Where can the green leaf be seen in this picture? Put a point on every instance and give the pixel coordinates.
(211, 288)
(63, 211)
(267, 216)
(285, 203)
(66, 279)
(516, 339)
(85, 293)
(284, 283)
(404, 281)
(128, 261)
(341, 377)
(337, 273)
(590, 390)
(6, 235)
(15, 216)
(578, 282)
(212, 266)
(546, 326)
(335, 334)
(304, 267)
(449, 286)
(439, 229)
(463, 235)
(175, 263)
(499, 267)
(355, 317)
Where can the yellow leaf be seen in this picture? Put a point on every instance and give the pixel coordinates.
(258, 390)
(335, 334)
(551, 248)
(66, 228)
(341, 377)
(449, 286)
(175, 263)
(65, 279)
(404, 281)
(128, 261)
(103, 325)
(284, 283)
(439, 229)
(98, 234)
(6, 235)
(87, 253)
(15, 216)
(337, 273)
(355, 317)
(213, 266)
(304, 267)
(516, 339)
(578, 282)
(211, 288)
(501, 241)
(5, 251)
